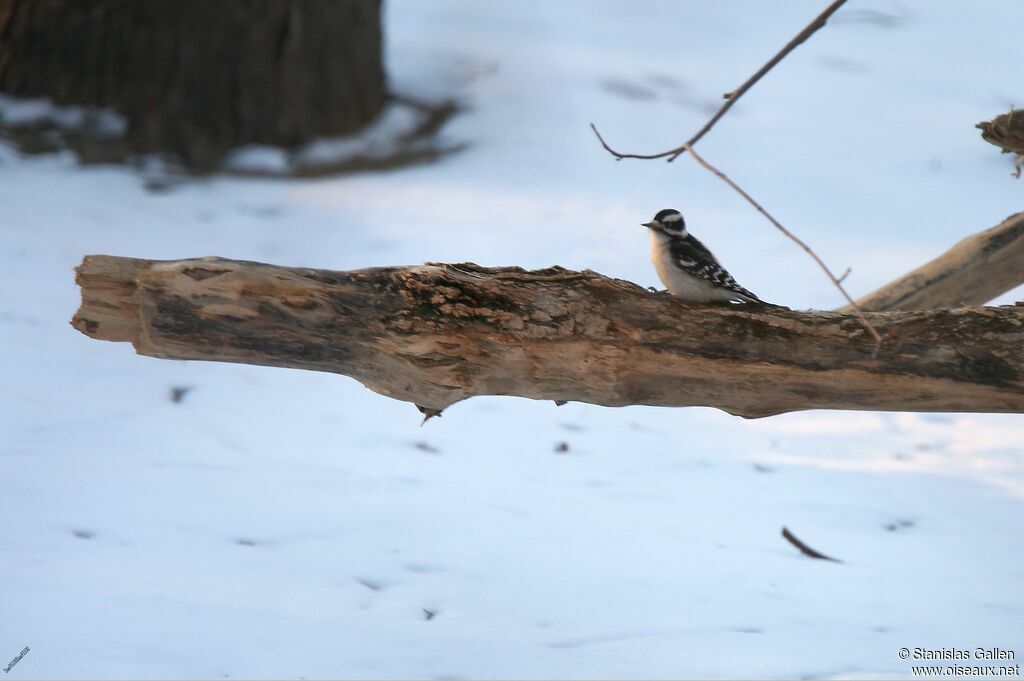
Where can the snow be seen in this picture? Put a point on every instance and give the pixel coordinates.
(395, 131)
(279, 523)
(258, 158)
(22, 113)
(380, 138)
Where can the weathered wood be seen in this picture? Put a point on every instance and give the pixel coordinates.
(973, 272)
(437, 334)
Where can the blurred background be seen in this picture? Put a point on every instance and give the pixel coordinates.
(171, 519)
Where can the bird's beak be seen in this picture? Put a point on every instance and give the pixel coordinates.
(649, 225)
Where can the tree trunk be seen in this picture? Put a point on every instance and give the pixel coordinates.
(198, 77)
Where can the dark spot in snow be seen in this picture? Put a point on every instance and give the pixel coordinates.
(246, 542)
(83, 534)
(627, 90)
(429, 614)
(178, 393)
(371, 585)
(747, 630)
(426, 447)
(700, 105)
(571, 427)
(880, 630)
(158, 185)
(872, 17)
(666, 81)
(562, 447)
(422, 568)
(901, 524)
(761, 468)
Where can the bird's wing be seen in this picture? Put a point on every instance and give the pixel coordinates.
(692, 244)
(691, 256)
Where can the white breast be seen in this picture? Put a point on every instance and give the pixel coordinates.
(679, 283)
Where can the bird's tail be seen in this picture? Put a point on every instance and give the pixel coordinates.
(747, 297)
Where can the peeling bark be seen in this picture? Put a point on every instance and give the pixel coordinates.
(436, 334)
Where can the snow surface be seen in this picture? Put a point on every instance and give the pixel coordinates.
(391, 133)
(18, 112)
(280, 523)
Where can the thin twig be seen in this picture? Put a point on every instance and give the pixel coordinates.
(805, 549)
(619, 155)
(838, 283)
(732, 97)
(844, 275)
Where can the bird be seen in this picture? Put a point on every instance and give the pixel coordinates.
(687, 268)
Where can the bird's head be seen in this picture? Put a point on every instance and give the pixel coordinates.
(668, 222)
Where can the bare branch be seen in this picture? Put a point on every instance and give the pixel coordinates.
(732, 97)
(619, 155)
(436, 334)
(835, 280)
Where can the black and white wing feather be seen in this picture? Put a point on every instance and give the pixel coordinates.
(692, 257)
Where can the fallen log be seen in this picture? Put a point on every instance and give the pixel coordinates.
(436, 334)
(972, 272)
